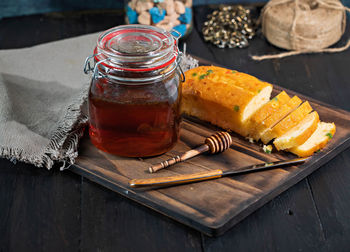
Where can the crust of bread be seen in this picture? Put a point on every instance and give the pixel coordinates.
(265, 111)
(287, 123)
(233, 77)
(316, 141)
(298, 134)
(276, 117)
(221, 103)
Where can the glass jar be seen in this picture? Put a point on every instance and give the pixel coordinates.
(135, 92)
(165, 14)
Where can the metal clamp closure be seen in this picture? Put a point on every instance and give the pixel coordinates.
(97, 74)
(178, 62)
(87, 66)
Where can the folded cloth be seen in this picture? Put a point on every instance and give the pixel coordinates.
(42, 92)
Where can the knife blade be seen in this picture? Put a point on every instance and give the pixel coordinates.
(213, 174)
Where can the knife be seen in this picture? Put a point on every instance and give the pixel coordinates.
(213, 174)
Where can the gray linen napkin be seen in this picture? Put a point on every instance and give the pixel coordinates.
(42, 91)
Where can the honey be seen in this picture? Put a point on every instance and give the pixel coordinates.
(136, 123)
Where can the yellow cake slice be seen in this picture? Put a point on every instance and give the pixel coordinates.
(266, 110)
(275, 118)
(298, 134)
(287, 123)
(322, 135)
(221, 102)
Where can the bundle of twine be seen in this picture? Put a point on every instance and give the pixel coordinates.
(303, 26)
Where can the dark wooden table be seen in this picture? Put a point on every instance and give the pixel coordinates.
(44, 210)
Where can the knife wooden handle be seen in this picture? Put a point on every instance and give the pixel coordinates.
(178, 179)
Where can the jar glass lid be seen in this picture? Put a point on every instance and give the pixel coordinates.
(136, 48)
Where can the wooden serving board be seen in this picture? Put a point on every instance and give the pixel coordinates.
(211, 207)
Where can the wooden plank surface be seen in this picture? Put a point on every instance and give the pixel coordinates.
(262, 231)
(33, 217)
(212, 206)
(118, 224)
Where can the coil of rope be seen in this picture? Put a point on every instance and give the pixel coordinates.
(303, 26)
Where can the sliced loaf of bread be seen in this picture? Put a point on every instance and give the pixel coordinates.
(241, 103)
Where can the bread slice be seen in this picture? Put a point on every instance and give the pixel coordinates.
(221, 103)
(224, 75)
(322, 135)
(287, 123)
(276, 117)
(266, 110)
(298, 134)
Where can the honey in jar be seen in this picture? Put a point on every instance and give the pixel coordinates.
(135, 92)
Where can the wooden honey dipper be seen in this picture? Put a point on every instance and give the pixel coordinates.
(216, 143)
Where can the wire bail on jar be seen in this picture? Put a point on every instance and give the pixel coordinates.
(87, 65)
(177, 35)
(178, 62)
